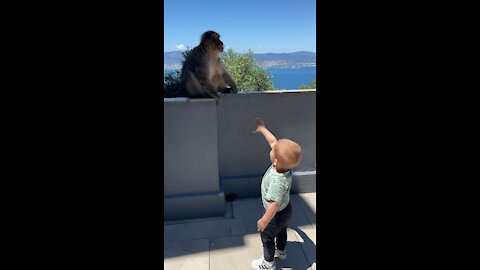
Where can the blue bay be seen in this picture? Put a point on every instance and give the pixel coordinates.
(290, 78)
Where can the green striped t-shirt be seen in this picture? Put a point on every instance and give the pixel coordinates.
(276, 187)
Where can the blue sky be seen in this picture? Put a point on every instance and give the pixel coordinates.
(260, 25)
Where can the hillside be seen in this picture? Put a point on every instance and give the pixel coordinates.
(174, 59)
(295, 59)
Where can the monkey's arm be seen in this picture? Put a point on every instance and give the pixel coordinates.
(228, 78)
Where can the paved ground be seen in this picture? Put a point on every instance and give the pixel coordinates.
(232, 242)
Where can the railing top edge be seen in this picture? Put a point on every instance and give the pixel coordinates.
(278, 91)
(181, 99)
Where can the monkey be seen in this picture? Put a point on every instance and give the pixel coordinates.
(203, 72)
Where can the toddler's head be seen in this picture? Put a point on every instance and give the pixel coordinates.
(285, 154)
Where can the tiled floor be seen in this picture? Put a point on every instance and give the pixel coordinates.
(232, 243)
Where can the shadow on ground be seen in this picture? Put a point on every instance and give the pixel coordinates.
(199, 237)
(297, 251)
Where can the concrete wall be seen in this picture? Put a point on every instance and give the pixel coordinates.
(244, 156)
(211, 153)
(190, 147)
(191, 185)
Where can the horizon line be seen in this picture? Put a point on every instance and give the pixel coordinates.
(245, 52)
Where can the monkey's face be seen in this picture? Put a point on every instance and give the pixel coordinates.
(212, 40)
(220, 46)
(216, 44)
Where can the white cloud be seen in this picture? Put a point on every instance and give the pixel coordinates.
(181, 47)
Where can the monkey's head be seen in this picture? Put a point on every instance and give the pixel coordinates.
(211, 40)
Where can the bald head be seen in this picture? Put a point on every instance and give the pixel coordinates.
(288, 153)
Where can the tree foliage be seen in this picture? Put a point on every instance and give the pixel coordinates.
(172, 85)
(172, 81)
(248, 75)
(312, 86)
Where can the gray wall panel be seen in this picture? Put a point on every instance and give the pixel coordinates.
(190, 147)
(286, 115)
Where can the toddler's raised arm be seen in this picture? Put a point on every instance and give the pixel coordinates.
(271, 139)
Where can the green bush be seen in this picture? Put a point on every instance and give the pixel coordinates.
(172, 82)
(312, 86)
(172, 85)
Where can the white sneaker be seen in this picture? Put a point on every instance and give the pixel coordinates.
(282, 255)
(261, 264)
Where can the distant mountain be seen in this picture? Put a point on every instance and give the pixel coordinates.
(173, 59)
(295, 59)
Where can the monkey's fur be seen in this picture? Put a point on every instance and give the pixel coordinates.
(203, 73)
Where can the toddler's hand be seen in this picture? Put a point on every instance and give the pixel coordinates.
(260, 124)
(261, 225)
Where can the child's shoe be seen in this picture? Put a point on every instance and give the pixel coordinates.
(261, 264)
(282, 255)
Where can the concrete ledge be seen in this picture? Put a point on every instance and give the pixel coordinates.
(276, 91)
(304, 182)
(249, 186)
(194, 205)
